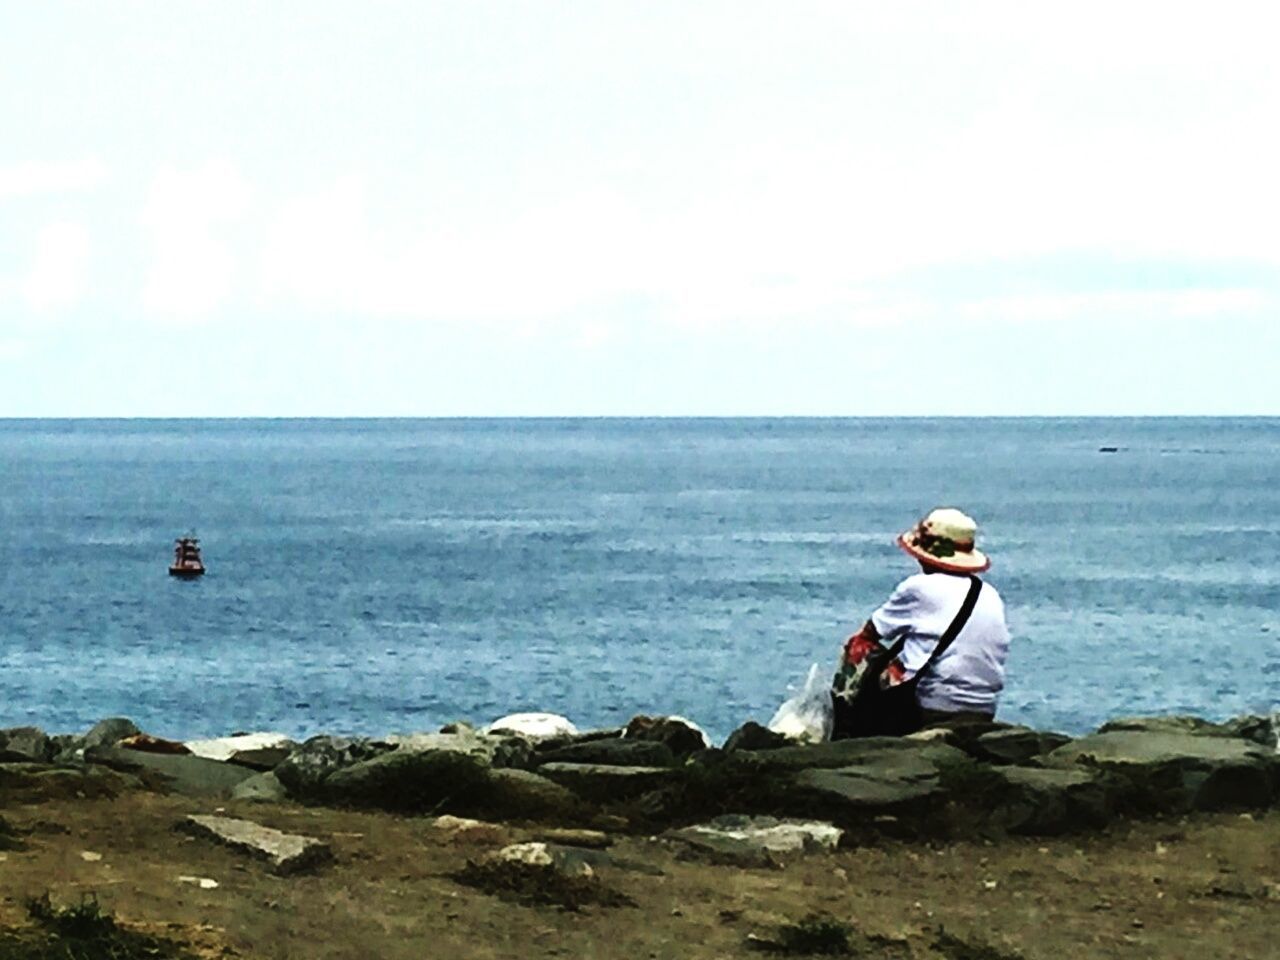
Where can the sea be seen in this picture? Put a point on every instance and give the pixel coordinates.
(380, 576)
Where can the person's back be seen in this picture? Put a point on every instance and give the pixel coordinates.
(960, 681)
(969, 674)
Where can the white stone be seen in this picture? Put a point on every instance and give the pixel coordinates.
(766, 834)
(542, 855)
(204, 883)
(222, 748)
(535, 726)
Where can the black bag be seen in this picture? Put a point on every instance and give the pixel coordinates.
(876, 711)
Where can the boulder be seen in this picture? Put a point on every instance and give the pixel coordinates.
(109, 732)
(541, 747)
(545, 855)
(224, 748)
(522, 795)
(1177, 771)
(183, 774)
(262, 758)
(844, 753)
(753, 736)
(25, 745)
(1258, 729)
(261, 787)
(606, 784)
(613, 752)
(1044, 802)
(890, 783)
(410, 781)
(682, 737)
(306, 769)
(756, 841)
(492, 751)
(285, 852)
(1264, 731)
(1014, 745)
(533, 726)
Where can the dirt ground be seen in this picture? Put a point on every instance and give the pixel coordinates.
(1199, 888)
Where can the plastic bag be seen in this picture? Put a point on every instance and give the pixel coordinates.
(807, 716)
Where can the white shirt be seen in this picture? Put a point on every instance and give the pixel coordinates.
(970, 673)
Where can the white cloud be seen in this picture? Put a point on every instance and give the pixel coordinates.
(192, 267)
(1120, 304)
(33, 179)
(55, 278)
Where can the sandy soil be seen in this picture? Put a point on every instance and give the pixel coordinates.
(1200, 888)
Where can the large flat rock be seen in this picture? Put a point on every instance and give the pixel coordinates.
(1015, 745)
(1044, 802)
(608, 783)
(25, 745)
(184, 774)
(614, 752)
(757, 841)
(410, 781)
(1174, 770)
(846, 753)
(285, 852)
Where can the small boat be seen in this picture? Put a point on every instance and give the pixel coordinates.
(186, 558)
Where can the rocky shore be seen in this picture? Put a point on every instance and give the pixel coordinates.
(540, 809)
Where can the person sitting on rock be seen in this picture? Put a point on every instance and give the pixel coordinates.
(934, 652)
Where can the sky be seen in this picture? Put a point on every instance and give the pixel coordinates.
(638, 208)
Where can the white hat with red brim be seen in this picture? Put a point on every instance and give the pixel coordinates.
(945, 539)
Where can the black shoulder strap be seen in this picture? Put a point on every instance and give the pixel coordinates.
(953, 631)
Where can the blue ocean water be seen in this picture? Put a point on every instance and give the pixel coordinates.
(375, 576)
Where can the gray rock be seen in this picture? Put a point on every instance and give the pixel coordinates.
(546, 745)
(757, 841)
(286, 853)
(1174, 771)
(1037, 801)
(543, 855)
(306, 769)
(844, 753)
(679, 735)
(1172, 723)
(1014, 745)
(753, 736)
(1264, 731)
(520, 795)
(605, 783)
(66, 748)
(883, 784)
(109, 732)
(410, 781)
(499, 750)
(25, 745)
(1258, 729)
(262, 758)
(613, 752)
(180, 773)
(261, 787)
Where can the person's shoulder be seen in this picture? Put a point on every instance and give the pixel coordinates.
(913, 585)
